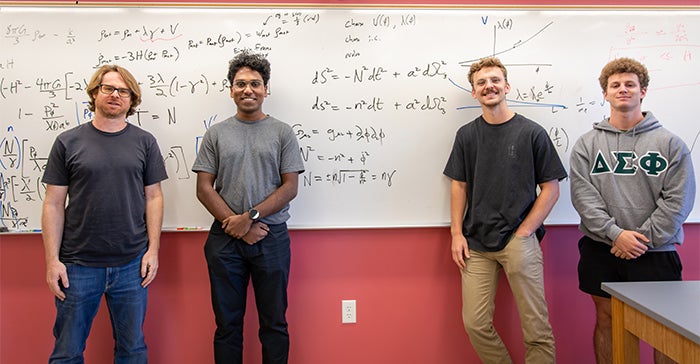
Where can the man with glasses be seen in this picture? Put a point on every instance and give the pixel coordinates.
(105, 241)
(247, 174)
(498, 162)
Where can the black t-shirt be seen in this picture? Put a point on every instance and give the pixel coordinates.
(106, 174)
(502, 166)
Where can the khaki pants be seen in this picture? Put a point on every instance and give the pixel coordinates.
(521, 260)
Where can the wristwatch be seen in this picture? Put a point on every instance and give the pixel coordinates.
(254, 214)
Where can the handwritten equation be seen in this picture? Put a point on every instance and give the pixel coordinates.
(374, 95)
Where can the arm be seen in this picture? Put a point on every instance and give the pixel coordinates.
(279, 198)
(458, 204)
(154, 223)
(549, 194)
(212, 201)
(675, 201)
(592, 209)
(240, 225)
(586, 198)
(282, 196)
(52, 219)
(215, 204)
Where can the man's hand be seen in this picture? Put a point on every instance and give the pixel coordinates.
(237, 225)
(257, 232)
(149, 267)
(55, 272)
(460, 251)
(629, 245)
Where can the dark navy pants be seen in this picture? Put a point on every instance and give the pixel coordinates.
(232, 264)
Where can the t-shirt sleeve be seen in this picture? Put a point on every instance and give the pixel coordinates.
(291, 157)
(455, 167)
(548, 164)
(206, 160)
(56, 172)
(155, 165)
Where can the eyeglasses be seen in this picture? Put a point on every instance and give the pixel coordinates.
(254, 85)
(108, 90)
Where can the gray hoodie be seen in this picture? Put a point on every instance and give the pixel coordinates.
(640, 179)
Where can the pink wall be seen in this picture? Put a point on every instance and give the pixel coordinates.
(404, 2)
(407, 291)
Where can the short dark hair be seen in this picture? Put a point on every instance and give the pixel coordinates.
(624, 65)
(256, 62)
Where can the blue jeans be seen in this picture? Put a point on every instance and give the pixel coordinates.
(232, 264)
(126, 301)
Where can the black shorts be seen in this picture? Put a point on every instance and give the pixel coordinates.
(597, 265)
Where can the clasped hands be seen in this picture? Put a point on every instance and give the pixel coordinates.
(242, 227)
(629, 245)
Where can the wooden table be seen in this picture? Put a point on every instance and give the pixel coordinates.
(666, 315)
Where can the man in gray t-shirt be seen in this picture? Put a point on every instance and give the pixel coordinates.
(247, 174)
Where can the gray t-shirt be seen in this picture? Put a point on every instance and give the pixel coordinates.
(248, 160)
(105, 224)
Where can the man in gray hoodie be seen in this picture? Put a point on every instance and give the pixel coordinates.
(633, 185)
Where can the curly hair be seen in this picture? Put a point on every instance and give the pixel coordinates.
(129, 79)
(624, 65)
(256, 62)
(485, 63)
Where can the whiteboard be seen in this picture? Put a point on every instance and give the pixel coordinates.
(374, 95)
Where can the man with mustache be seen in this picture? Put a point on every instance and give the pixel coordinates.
(497, 163)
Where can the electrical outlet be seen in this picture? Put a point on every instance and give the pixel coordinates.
(349, 313)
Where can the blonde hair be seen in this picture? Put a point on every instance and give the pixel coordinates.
(129, 79)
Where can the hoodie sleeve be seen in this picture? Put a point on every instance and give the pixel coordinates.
(586, 198)
(675, 200)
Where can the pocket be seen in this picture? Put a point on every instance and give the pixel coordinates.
(523, 238)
